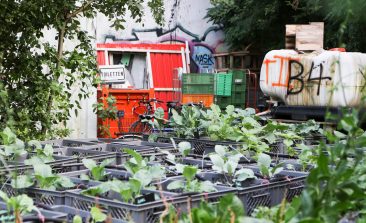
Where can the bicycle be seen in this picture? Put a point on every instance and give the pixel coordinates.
(142, 125)
(147, 109)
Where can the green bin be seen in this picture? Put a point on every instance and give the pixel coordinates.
(223, 84)
(238, 91)
(198, 83)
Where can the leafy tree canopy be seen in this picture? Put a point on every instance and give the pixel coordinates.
(37, 77)
(261, 24)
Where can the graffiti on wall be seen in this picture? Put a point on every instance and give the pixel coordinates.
(295, 73)
(202, 58)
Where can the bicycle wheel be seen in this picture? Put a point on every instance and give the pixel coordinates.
(140, 127)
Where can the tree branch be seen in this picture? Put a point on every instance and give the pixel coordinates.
(80, 9)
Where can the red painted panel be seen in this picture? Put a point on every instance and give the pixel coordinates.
(100, 58)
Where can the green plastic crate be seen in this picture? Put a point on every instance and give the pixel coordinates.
(238, 91)
(223, 84)
(198, 84)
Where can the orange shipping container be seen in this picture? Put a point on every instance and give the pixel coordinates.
(207, 99)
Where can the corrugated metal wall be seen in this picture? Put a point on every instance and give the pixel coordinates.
(162, 69)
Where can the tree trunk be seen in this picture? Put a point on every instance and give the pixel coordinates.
(60, 47)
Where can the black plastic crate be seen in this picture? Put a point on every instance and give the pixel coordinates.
(49, 215)
(118, 210)
(285, 185)
(45, 197)
(200, 146)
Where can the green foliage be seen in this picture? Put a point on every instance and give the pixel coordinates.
(97, 171)
(20, 205)
(97, 215)
(159, 121)
(13, 148)
(228, 209)
(187, 124)
(43, 177)
(106, 113)
(37, 78)
(190, 184)
(43, 155)
(261, 24)
(226, 162)
(264, 163)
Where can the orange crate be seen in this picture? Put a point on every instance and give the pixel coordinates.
(207, 99)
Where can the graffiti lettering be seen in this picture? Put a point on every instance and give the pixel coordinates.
(267, 62)
(279, 83)
(320, 78)
(204, 60)
(289, 78)
(296, 77)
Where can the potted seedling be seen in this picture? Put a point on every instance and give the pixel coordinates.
(226, 164)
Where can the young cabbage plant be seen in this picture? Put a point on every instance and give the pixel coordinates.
(187, 124)
(97, 215)
(184, 149)
(19, 205)
(43, 155)
(135, 163)
(131, 189)
(158, 122)
(220, 125)
(13, 148)
(264, 163)
(191, 184)
(97, 171)
(307, 156)
(288, 141)
(44, 179)
(226, 163)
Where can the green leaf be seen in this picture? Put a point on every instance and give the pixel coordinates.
(180, 167)
(106, 162)
(177, 118)
(230, 167)
(34, 160)
(177, 184)
(244, 174)
(136, 185)
(230, 109)
(126, 194)
(218, 162)
(189, 172)
(207, 186)
(97, 215)
(77, 219)
(22, 181)
(288, 142)
(48, 150)
(264, 160)
(4, 196)
(65, 182)
(144, 177)
(35, 143)
(137, 158)
(156, 172)
(221, 150)
(184, 148)
(42, 170)
(89, 163)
